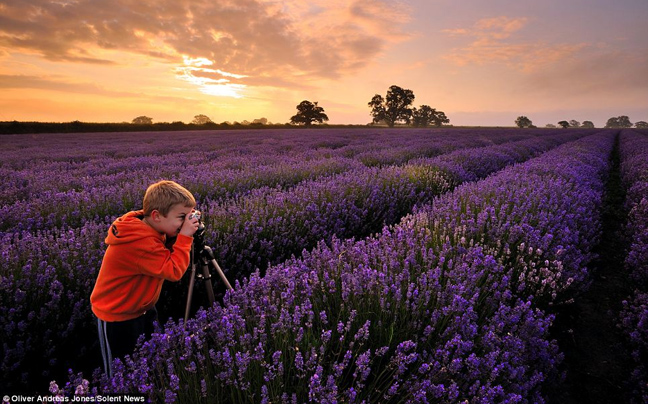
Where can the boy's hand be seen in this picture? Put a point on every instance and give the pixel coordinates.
(190, 225)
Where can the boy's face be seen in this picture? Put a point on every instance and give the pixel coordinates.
(172, 222)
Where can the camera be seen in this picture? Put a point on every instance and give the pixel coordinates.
(195, 214)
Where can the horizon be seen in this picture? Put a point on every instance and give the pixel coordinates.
(483, 65)
(257, 125)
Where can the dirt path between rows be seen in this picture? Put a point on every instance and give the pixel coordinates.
(596, 363)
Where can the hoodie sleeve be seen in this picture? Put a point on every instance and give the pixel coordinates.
(159, 262)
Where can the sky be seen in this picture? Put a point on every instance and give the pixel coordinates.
(481, 62)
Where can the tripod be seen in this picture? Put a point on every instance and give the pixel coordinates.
(203, 255)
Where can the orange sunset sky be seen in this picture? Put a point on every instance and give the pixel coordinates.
(481, 62)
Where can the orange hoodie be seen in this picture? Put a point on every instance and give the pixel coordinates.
(134, 268)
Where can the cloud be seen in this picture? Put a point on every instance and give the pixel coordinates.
(247, 38)
(26, 83)
(526, 57)
(604, 70)
(55, 83)
(562, 74)
(455, 31)
(499, 27)
(492, 44)
(494, 28)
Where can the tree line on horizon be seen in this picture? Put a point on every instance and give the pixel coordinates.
(395, 108)
(622, 121)
(202, 119)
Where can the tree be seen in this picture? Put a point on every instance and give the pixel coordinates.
(395, 107)
(612, 123)
(619, 122)
(564, 124)
(523, 122)
(143, 120)
(440, 118)
(425, 115)
(550, 125)
(309, 112)
(574, 123)
(587, 124)
(641, 125)
(624, 122)
(201, 120)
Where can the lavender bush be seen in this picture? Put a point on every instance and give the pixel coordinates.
(444, 307)
(44, 290)
(501, 211)
(51, 254)
(633, 319)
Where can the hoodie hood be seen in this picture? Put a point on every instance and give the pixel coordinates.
(130, 228)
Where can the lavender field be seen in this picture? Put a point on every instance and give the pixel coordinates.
(370, 265)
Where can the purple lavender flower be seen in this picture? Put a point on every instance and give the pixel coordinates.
(633, 318)
(435, 280)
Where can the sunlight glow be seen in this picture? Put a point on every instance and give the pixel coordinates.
(195, 73)
(223, 90)
(197, 61)
(226, 74)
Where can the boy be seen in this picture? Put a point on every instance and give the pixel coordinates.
(141, 254)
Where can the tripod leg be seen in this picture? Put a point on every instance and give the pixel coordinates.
(208, 284)
(221, 274)
(209, 255)
(192, 280)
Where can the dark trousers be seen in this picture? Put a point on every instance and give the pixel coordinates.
(118, 339)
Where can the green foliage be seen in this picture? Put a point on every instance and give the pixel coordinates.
(619, 122)
(427, 115)
(142, 120)
(394, 108)
(523, 122)
(308, 112)
(201, 120)
(587, 124)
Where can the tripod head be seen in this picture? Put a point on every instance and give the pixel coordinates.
(199, 240)
(199, 250)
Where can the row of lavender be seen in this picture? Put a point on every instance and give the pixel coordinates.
(633, 319)
(20, 151)
(268, 226)
(447, 306)
(48, 274)
(46, 189)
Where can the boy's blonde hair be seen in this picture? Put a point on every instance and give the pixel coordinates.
(163, 195)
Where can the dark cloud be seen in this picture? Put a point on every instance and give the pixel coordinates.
(248, 37)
